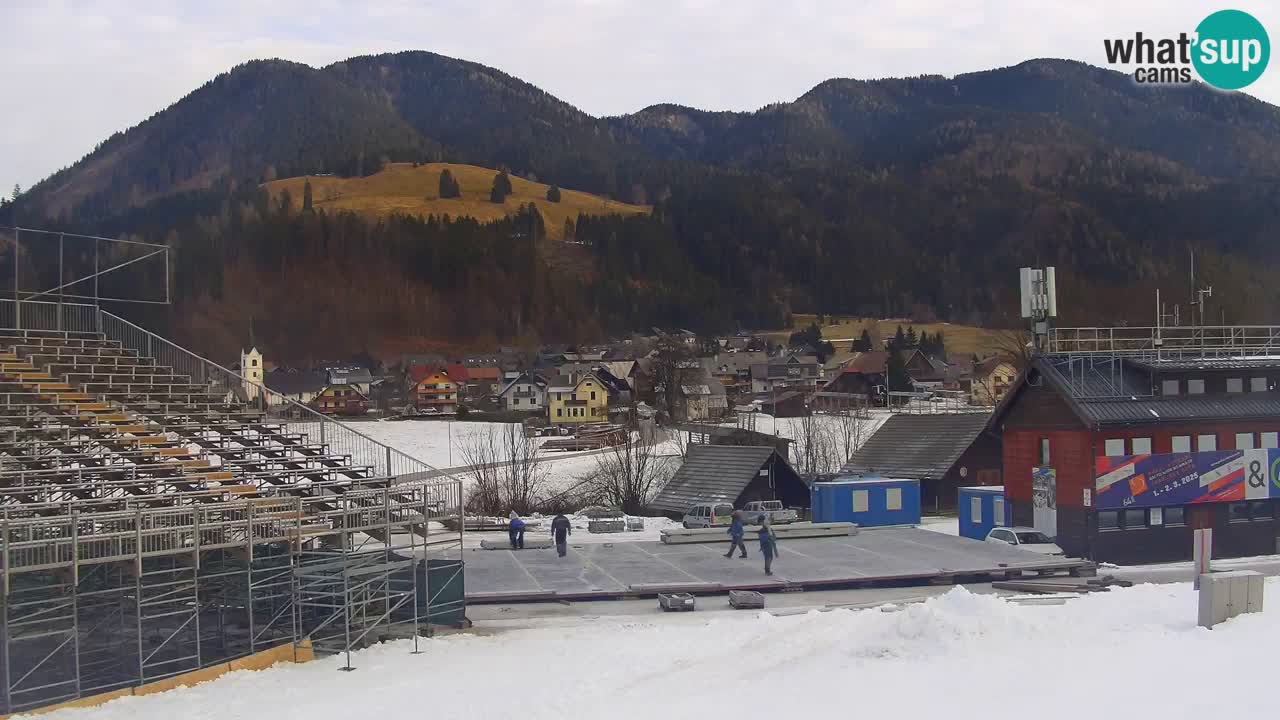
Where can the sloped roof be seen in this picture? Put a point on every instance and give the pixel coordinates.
(874, 361)
(295, 382)
(920, 447)
(713, 473)
(1100, 396)
(339, 376)
(484, 373)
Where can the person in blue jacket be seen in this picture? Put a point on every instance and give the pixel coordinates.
(515, 531)
(768, 544)
(736, 531)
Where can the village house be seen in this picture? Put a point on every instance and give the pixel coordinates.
(700, 397)
(435, 392)
(575, 401)
(300, 386)
(359, 378)
(341, 399)
(796, 372)
(524, 393)
(733, 370)
(860, 383)
(927, 372)
(990, 381)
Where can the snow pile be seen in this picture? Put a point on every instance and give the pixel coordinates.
(1131, 652)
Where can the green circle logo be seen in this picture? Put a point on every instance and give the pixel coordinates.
(1232, 49)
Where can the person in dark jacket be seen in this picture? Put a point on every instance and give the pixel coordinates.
(515, 531)
(768, 544)
(560, 532)
(736, 531)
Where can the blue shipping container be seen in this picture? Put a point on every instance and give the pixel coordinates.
(869, 502)
(982, 508)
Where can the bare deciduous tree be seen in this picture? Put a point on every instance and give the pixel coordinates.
(849, 431)
(629, 474)
(505, 469)
(521, 474)
(480, 453)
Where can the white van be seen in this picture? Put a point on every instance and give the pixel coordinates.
(705, 515)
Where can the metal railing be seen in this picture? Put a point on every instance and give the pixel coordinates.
(1207, 341)
(342, 439)
(50, 316)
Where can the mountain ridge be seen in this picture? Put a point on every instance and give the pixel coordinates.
(894, 196)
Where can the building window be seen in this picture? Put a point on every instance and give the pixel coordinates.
(255, 362)
(1181, 443)
(1258, 384)
(516, 401)
(1044, 451)
(997, 511)
(593, 396)
(1140, 445)
(1244, 441)
(1169, 387)
(1260, 510)
(559, 412)
(1108, 520)
(1206, 443)
(1195, 386)
(1269, 440)
(1114, 447)
(1155, 517)
(1238, 512)
(860, 502)
(1135, 518)
(1175, 516)
(893, 499)
(975, 509)
(1235, 385)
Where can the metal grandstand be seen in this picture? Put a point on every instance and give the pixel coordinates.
(160, 514)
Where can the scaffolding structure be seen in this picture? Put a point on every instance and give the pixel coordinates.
(160, 514)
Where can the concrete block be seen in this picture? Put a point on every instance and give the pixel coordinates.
(1228, 594)
(606, 526)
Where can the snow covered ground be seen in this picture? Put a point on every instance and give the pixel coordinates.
(958, 655)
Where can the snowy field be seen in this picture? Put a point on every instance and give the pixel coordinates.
(960, 655)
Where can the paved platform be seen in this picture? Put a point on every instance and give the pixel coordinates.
(630, 569)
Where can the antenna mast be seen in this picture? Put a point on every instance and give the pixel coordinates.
(1039, 301)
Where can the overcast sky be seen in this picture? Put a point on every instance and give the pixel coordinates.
(73, 72)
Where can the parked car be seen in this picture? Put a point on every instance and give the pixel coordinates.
(1025, 538)
(705, 515)
(778, 515)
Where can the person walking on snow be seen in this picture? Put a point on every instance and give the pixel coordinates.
(768, 544)
(736, 531)
(560, 531)
(515, 531)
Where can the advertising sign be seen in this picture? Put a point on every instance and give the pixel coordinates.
(1186, 478)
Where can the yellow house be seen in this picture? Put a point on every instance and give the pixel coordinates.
(572, 403)
(991, 378)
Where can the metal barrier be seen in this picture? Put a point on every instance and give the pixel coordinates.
(342, 439)
(48, 316)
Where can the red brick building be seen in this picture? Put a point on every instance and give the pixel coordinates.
(1121, 457)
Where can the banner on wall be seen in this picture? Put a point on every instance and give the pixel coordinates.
(1186, 478)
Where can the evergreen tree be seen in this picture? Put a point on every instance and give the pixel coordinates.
(501, 188)
(899, 340)
(912, 340)
(553, 194)
(449, 187)
(863, 343)
(899, 380)
(939, 345)
(306, 196)
(17, 190)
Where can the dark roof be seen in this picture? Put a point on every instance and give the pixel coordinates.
(294, 382)
(713, 473)
(1119, 391)
(339, 376)
(920, 447)
(871, 362)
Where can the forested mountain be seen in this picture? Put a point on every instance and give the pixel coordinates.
(902, 196)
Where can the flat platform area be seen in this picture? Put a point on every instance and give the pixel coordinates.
(628, 569)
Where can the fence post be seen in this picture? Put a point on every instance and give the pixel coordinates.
(17, 297)
(389, 473)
